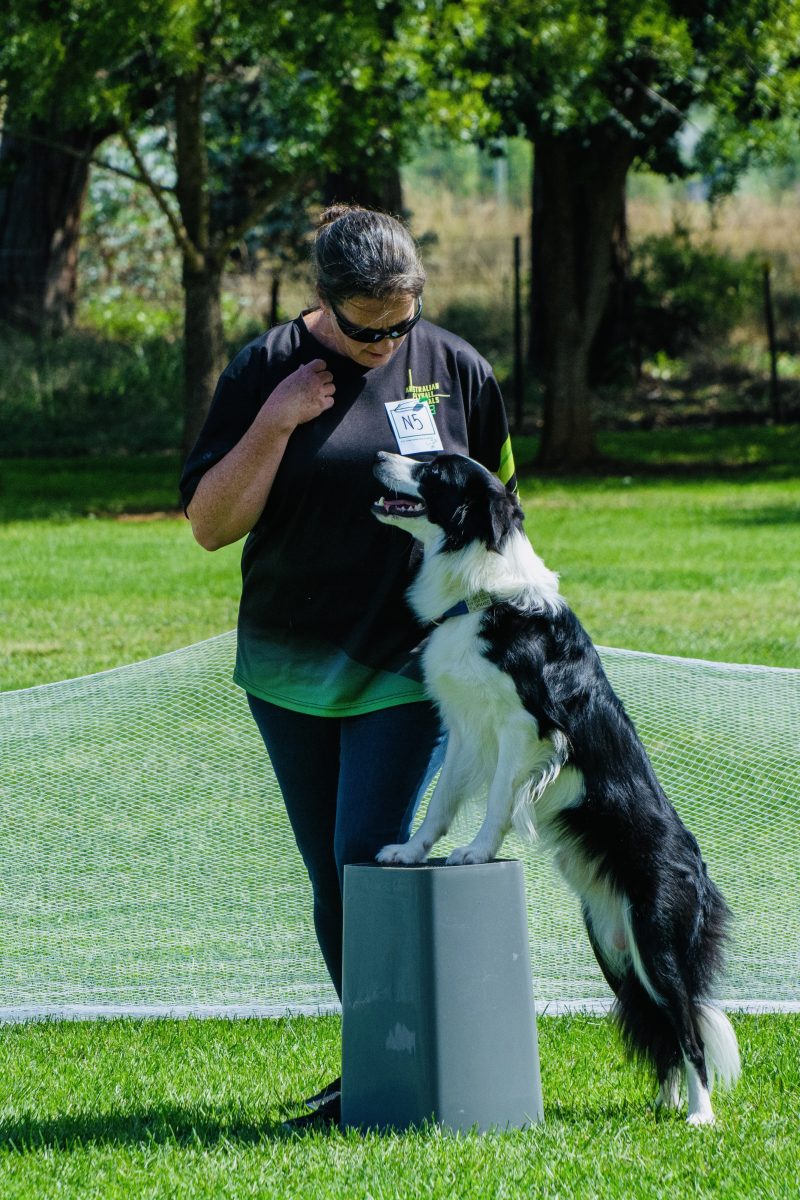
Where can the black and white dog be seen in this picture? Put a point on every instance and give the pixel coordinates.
(533, 722)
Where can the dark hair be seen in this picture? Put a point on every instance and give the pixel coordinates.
(359, 252)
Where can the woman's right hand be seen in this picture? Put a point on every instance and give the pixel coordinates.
(301, 396)
(231, 495)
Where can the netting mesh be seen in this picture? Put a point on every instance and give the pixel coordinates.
(148, 865)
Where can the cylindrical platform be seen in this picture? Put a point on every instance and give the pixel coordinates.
(438, 1019)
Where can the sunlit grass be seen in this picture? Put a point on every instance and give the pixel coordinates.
(702, 563)
(151, 1109)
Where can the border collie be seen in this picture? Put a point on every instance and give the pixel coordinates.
(533, 723)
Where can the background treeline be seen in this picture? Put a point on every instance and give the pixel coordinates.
(161, 164)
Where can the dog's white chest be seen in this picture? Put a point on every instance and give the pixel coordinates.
(468, 688)
(453, 654)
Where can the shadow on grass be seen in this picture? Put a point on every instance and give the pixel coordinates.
(748, 454)
(670, 471)
(183, 1127)
(620, 1112)
(118, 485)
(64, 489)
(771, 514)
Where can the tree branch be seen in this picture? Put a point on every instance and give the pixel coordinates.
(228, 238)
(185, 243)
(662, 101)
(24, 135)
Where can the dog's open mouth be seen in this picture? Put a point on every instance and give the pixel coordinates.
(398, 506)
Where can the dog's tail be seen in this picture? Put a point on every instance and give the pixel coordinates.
(706, 954)
(661, 1004)
(721, 1048)
(649, 1033)
(648, 1028)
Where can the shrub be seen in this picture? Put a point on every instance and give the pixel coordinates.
(686, 294)
(86, 394)
(486, 325)
(679, 299)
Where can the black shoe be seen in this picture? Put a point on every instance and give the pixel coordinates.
(328, 1113)
(333, 1089)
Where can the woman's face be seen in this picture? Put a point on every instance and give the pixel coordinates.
(368, 313)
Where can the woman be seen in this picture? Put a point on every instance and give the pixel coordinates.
(328, 650)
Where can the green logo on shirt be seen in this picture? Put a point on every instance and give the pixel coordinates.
(429, 393)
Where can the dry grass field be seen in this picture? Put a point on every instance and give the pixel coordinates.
(468, 251)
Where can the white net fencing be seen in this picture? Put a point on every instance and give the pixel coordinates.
(148, 866)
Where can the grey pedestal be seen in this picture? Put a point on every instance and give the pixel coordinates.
(438, 1019)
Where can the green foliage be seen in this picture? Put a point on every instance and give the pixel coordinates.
(129, 269)
(130, 318)
(686, 293)
(279, 242)
(755, 94)
(89, 393)
(96, 57)
(486, 326)
(126, 244)
(630, 73)
(288, 92)
(470, 172)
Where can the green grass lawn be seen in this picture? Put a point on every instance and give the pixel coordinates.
(85, 586)
(688, 546)
(126, 1109)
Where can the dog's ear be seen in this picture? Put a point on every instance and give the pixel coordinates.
(483, 510)
(505, 515)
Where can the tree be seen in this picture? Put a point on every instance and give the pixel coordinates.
(48, 143)
(42, 189)
(597, 87)
(268, 113)
(253, 99)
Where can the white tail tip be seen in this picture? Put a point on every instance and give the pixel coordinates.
(721, 1047)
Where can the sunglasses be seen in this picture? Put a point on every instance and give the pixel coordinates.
(363, 333)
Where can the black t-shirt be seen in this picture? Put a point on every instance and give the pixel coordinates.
(324, 626)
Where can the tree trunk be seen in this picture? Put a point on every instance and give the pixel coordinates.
(577, 190)
(42, 192)
(274, 300)
(202, 347)
(615, 354)
(202, 265)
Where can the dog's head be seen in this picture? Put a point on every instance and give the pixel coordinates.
(449, 495)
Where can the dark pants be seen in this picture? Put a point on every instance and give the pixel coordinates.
(351, 785)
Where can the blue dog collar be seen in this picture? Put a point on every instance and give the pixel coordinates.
(475, 603)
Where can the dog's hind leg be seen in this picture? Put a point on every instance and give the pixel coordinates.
(447, 796)
(658, 970)
(669, 1089)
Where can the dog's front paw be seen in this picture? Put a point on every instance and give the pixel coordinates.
(464, 855)
(404, 855)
